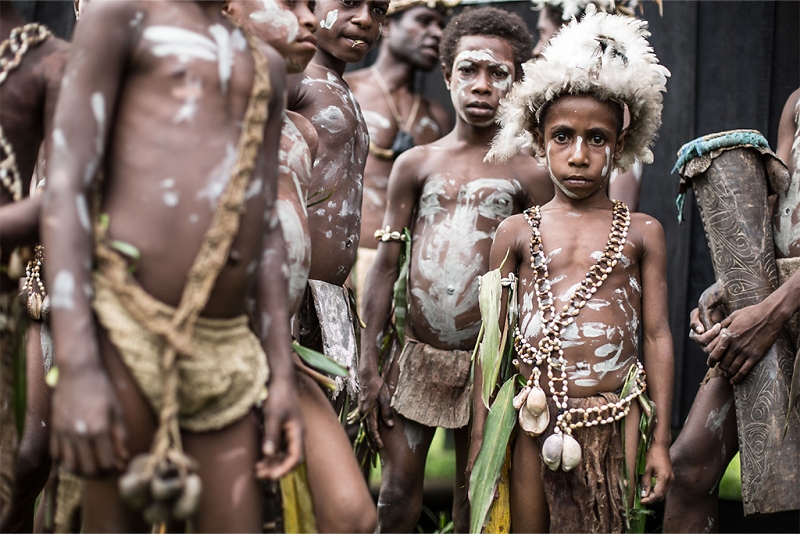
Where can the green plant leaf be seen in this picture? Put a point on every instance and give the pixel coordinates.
(319, 361)
(399, 291)
(490, 348)
(486, 472)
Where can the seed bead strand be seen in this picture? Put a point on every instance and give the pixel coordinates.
(549, 347)
(18, 43)
(33, 272)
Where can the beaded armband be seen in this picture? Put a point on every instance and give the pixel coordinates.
(386, 234)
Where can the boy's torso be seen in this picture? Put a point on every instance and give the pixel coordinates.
(460, 203)
(338, 174)
(174, 142)
(602, 343)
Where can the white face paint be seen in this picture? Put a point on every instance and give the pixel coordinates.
(459, 86)
(281, 19)
(557, 183)
(607, 166)
(330, 20)
(61, 294)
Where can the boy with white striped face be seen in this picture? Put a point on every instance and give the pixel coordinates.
(451, 202)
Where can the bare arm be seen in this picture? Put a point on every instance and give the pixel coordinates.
(19, 222)
(786, 130)
(627, 186)
(658, 357)
(505, 243)
(377, 307)
(87, 429)
(283, 427)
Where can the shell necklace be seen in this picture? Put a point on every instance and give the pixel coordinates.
(561, 449)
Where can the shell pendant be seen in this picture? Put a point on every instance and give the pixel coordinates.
(561, 450)
(533, 413)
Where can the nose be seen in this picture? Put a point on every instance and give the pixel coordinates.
(307, 18)
(434, 30)
(537, 50)
(580, 155)
(362, 16)
(483, 82)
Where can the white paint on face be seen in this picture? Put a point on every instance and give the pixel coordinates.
(218, 178)
(281, 19)
(99, 112)
(607, 166)
(61, 295)
(578, 146)
(716, 418)
(330, 119)
(473, 56)
(330, 20)
(83, 212)
(557, 183)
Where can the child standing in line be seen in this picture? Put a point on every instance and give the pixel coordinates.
(583, 294)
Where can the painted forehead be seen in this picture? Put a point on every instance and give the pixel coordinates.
(484, 56)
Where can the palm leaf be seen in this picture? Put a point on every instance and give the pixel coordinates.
(491, 353)
(486, 472)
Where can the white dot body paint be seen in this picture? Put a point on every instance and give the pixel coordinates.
(99, 112)
(80, 427)
(62, 292)
(59, 140)
(281, 18)
(330, 19)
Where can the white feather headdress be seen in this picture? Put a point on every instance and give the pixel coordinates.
(604, 55)
(575, 8)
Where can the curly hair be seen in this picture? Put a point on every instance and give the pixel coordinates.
(487, 22)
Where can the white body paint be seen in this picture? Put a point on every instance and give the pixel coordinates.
(62, 292)
(445, 257)
(83, 212)
(787, 231)
(218, 178)
(331, 119)
(279, 17)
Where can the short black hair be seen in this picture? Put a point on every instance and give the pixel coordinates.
(487, 22)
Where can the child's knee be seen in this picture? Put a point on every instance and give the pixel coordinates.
(694, 471)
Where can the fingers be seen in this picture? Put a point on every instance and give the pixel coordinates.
(695, 324)
(385, 403)
(704, 338)
(119, 437)
(645, 483)
(372, 427)
(721, 347)
(85, 457)
(658, 491)
(744, 370)
(280, 463)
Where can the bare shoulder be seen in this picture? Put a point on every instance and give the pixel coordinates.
(512, 237)
(306, 130)
(356, 78)
(647, 232)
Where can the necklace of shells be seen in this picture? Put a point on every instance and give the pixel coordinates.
(18, 43)
(561, 449)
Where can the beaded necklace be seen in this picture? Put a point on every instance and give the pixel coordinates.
(18, 43)
(561, 449)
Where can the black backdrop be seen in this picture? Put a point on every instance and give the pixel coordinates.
(733, 64)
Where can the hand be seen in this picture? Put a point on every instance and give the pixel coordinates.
(658, 467)
(88, 433)
(374, 397)
(283, 432)
(744, 338)
(704, 320)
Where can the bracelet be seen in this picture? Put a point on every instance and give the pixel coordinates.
(386, 234)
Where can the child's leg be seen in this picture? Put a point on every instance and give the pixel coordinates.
(700, 456)
(231, 499)
(405, 447)
(460, 499)
(631, 440)
(529, 511)
(342, 502)
(33, 457)
(103, 509)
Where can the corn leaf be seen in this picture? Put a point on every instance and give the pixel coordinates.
(319, 361)
(399, 291)
(486, 472)
(500, 512)
(490, 347)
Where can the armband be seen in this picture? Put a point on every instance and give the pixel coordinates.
(386, 234)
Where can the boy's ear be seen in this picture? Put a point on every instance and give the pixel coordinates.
(620, 144)
(447, 75)
(538, 143)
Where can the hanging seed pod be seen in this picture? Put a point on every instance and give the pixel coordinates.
(187, 503)
(16, 265)
(34, 305)
(537, 402)
(520, 398)
(166, 487)
(571, 455)
(46, 308)
(134, 485)
(551, 451)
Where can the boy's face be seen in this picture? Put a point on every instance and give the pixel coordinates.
(348, 29)
(483, 71)
(580, 142)
(288, 26)
(414, 36)
(545, 30)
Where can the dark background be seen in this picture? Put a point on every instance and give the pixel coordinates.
(733, 66)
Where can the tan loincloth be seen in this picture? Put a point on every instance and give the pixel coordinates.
(434, 388)
(222, 380)
(588, 498)
(364, 260)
